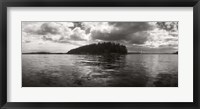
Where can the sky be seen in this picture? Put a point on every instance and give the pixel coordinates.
(60, 37)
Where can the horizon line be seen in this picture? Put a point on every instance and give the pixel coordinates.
(127, 53)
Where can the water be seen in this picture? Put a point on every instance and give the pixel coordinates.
(132, 70)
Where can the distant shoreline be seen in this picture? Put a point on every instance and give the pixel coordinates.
(42, 53)
(90, 54)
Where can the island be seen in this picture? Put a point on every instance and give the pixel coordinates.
(175, 52)
(100, 48)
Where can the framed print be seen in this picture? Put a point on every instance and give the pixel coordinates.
(100, 54)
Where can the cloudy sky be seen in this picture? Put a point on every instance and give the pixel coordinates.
(150, 37)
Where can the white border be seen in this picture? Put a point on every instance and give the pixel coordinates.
(184, 93)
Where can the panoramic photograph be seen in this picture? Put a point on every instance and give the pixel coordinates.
(99, 54)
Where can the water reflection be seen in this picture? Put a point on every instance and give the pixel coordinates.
(166, 80)
(100, 70)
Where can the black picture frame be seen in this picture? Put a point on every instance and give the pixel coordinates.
(99, 3)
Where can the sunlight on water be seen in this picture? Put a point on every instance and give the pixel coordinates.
(133, 70)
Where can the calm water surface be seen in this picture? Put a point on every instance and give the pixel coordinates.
(132, 70)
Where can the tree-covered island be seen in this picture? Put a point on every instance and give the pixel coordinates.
(100, 48)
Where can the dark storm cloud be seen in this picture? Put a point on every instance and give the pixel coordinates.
(168, 26)
(44, 29)
(82, 27)
(48, 28)
(138, 38)
(132, 32)
(133, 26)
(76, 24)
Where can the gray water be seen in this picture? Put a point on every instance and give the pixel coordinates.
(132, 70)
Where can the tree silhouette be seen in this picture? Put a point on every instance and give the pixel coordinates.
(100, 48)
